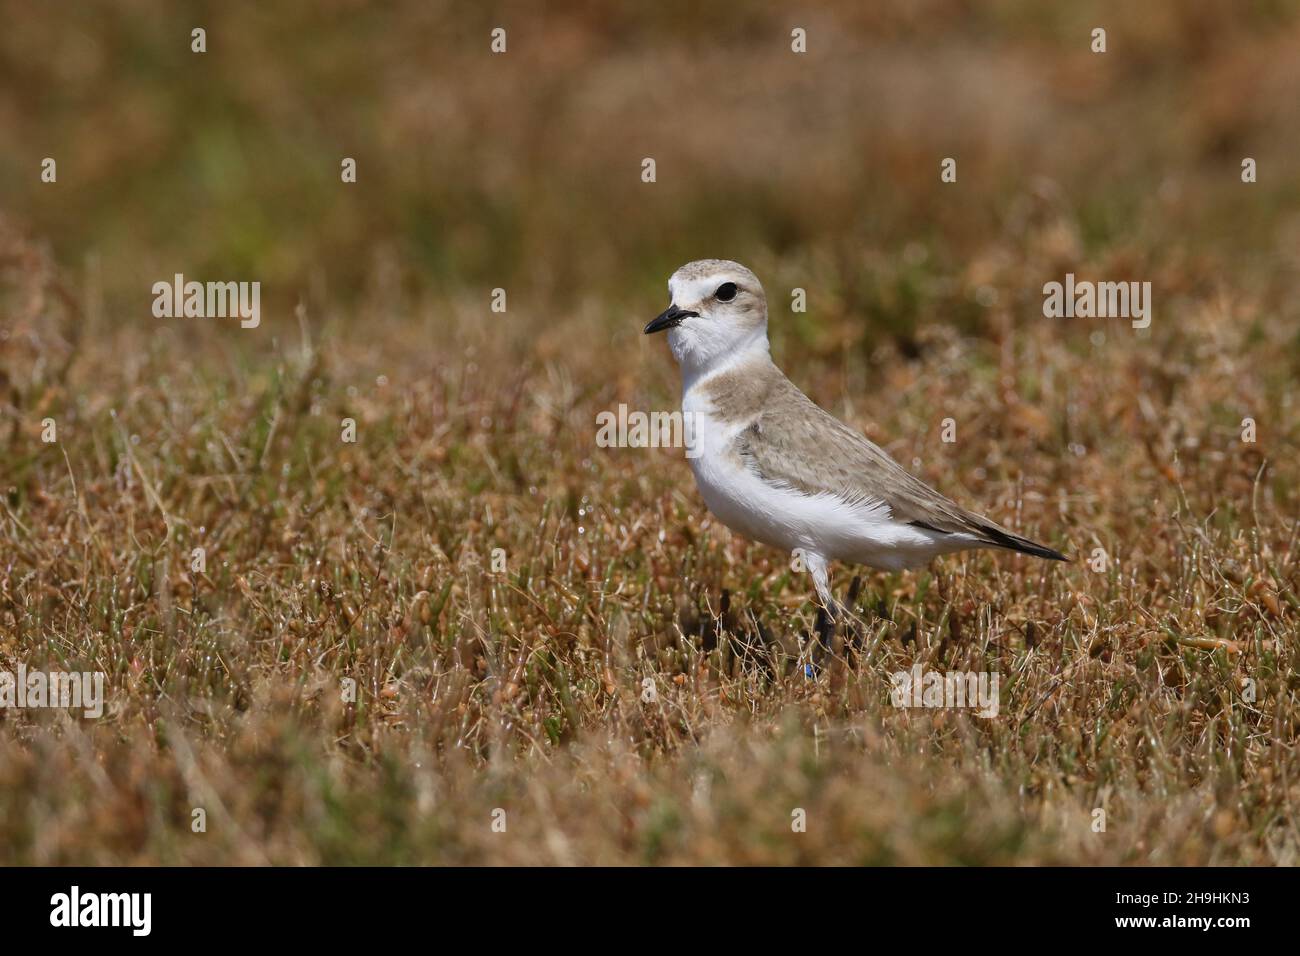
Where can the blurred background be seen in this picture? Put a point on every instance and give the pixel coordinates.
(522, 170)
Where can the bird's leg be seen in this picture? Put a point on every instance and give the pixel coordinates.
(822, 582)
(830, 611)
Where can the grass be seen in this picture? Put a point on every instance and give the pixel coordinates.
(540, 626)
(524, 689)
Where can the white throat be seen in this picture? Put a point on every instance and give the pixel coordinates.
(698, 365)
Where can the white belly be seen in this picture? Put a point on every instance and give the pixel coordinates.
(825, 524)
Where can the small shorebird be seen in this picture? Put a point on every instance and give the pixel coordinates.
(774, 467)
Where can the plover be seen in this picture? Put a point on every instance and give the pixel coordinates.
(773, 466)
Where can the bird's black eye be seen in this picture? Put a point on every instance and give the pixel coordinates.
(726, 292)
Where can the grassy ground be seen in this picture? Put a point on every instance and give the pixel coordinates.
(1153, 678)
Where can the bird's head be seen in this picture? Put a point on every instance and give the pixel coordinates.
(718, 312)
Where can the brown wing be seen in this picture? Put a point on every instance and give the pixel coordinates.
(792, 442)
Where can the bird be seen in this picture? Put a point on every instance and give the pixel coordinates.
(773, 466)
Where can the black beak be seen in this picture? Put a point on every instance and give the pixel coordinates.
(669, 319)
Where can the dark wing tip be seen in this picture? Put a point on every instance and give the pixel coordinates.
(1014, 542)
(1002, 539)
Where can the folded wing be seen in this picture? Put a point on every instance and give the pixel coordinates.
(792, 442)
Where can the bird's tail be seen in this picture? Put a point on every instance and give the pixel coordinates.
(1014, 542)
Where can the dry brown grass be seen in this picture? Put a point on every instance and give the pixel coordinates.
(522, 690)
